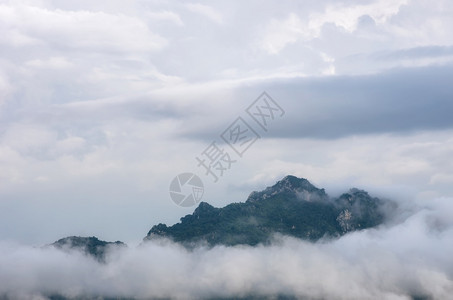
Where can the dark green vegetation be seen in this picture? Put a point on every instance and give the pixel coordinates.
(88, 245)
(293, 206)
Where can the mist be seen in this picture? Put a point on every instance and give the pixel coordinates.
(406, 259)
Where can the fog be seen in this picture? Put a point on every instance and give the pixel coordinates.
(409, 258)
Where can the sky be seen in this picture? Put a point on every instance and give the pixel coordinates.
(103, 103)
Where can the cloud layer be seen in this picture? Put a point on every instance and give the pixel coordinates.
(396, 261)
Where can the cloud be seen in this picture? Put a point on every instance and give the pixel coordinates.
(399, 261)
(5, 89)
(79, 29)
(166, 16)
(417, 52)
(347, 16)
(206, 11)
(282, 33)
(51, 63)
(398, 101)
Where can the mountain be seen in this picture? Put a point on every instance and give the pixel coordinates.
(293, 206)
(89, 245)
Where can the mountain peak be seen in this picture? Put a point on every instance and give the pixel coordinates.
(203, 208)
(290, 186)
(292, 206)
(294, 182)
(88, 245)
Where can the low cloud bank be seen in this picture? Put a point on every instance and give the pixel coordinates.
(399, 261)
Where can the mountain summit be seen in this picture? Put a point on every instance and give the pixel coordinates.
(291, 187)
(293, 206)
(91, 246)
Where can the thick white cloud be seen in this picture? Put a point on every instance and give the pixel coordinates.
(281, 33)
(344, 16)
(347, 16)
(96, 31)
(205, 11)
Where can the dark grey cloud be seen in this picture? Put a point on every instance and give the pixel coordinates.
(398, 101)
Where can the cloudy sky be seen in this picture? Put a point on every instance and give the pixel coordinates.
(103, 103)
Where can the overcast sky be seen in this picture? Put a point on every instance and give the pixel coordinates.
(103, 103)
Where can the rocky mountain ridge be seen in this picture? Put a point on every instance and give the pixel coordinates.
(293, 206)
